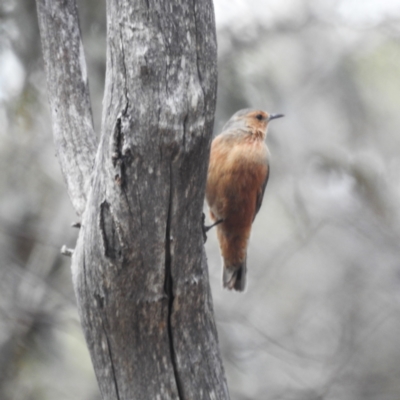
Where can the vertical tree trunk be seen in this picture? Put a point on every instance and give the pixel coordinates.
(139, 267)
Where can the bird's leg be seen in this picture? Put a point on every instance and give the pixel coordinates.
(207, 228)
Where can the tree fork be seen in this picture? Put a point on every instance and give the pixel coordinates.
(139, 268)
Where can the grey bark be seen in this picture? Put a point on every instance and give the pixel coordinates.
(68, 91)
(139, 267)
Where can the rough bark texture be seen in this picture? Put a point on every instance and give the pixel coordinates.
(139, 268)
(68, 89)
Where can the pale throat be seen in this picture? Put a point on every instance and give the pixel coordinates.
(258, 133)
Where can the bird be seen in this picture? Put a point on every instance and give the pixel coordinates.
(237, 175)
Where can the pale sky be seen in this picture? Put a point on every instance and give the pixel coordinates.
(352, 11)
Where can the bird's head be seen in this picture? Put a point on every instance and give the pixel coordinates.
(254, 122)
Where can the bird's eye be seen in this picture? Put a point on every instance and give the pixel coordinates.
(259, 117)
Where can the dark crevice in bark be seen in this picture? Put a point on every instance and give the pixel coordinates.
(128, 204)
(197, 53)
(111, 242)
(185, 123)
(117, 142)
(125, 71)
(140, 207)
(112, 364)
(120, 156)
(168, 287)
(99, 300)
(116, 157)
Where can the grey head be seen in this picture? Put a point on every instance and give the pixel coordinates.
(237, 120)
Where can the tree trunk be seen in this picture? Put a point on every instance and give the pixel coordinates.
(139, 267)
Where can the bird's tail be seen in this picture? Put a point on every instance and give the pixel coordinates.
(235, 277)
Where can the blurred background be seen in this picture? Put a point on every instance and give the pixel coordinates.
(321, 315)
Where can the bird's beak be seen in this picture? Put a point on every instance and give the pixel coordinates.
(274, 116)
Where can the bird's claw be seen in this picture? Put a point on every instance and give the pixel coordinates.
(205, 228)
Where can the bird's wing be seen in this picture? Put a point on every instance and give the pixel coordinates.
(260, 194)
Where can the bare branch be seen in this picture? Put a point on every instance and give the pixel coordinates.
(66, 251)
(68, 95)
